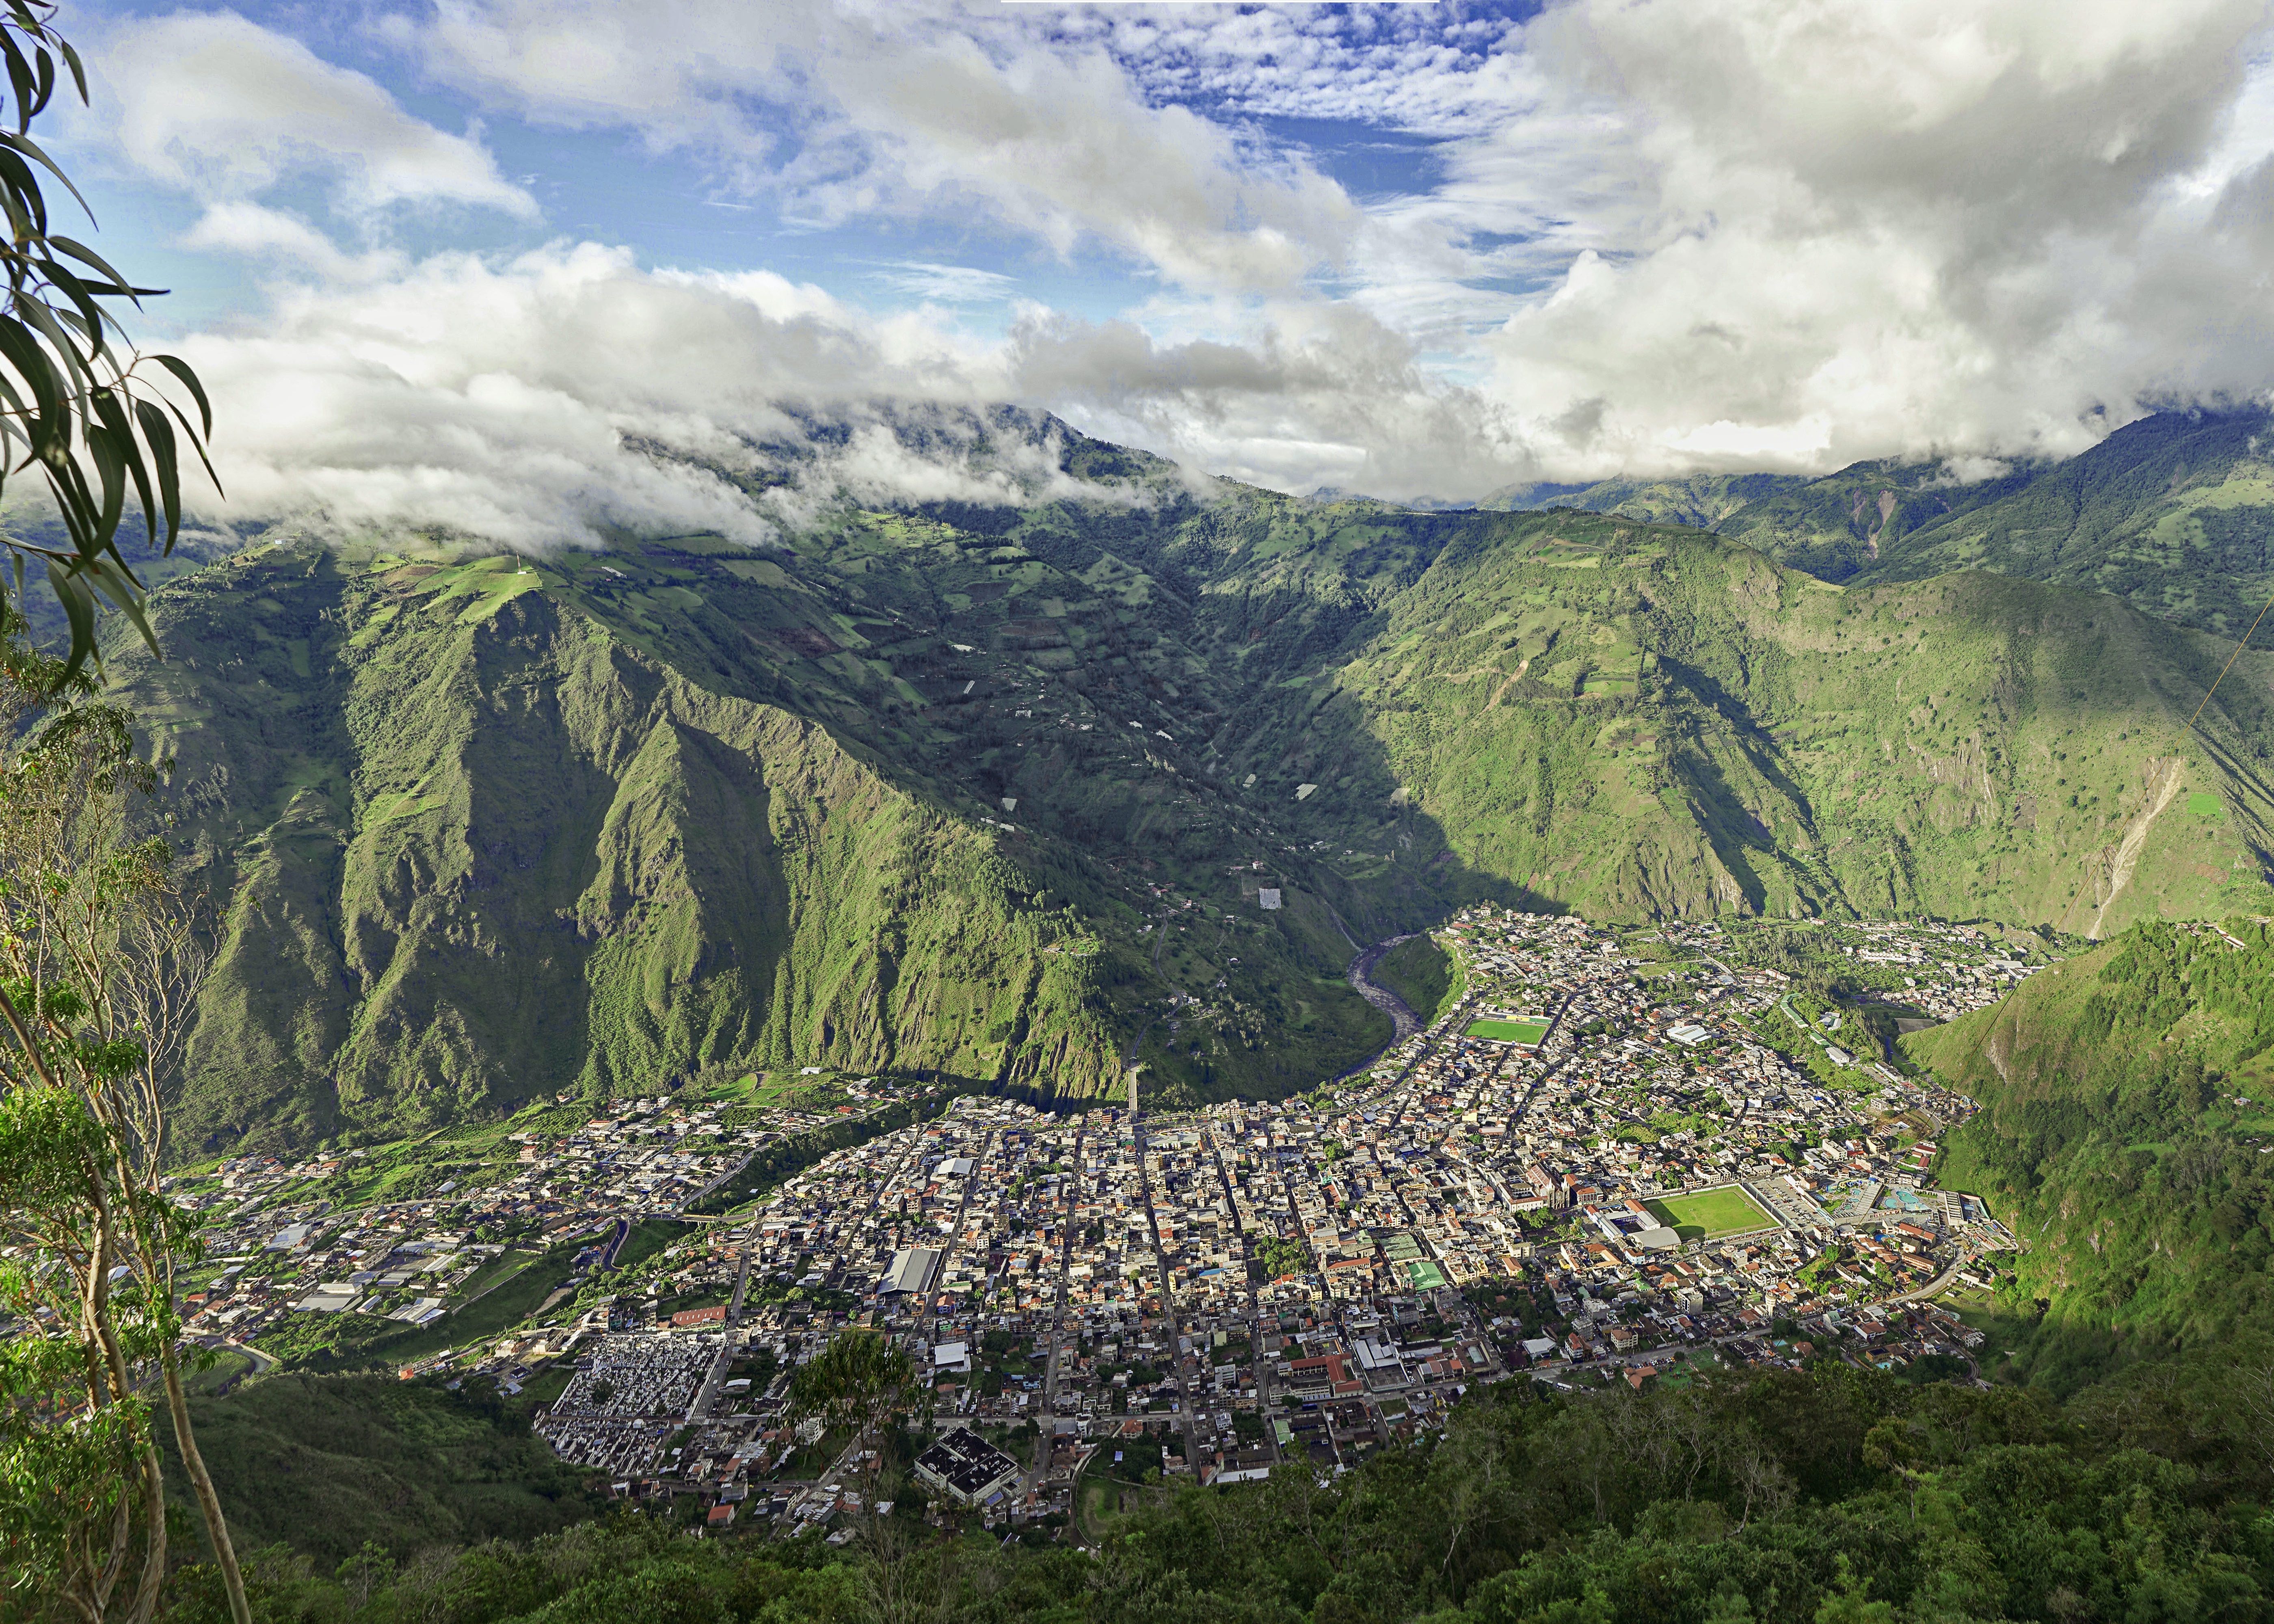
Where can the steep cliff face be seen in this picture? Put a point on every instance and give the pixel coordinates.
(474, 848)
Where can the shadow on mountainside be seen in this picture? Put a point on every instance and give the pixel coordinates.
(900, 797)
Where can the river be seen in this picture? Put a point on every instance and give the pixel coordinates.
(1388, 1002)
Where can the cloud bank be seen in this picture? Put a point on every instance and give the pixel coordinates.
(542, 400)
(1638, 236)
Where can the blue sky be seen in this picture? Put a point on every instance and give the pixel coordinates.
(693, 204)
(454, 255)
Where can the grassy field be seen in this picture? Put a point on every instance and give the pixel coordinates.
(648, 1236)
(1528, 1032)
(496, 1272)
(228, 1366)
(789, 1091)
(1710, 1214)
(1106, 1494)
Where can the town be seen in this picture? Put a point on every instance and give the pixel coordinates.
(1639, 1155)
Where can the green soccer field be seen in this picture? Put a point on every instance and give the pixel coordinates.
(1506, 1031)
(1710, 1214)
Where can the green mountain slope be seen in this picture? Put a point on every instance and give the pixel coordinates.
(475, 848)
(1845, 524)
(1632, 721)
(2174, 514)
(1832, 527)
(1007, 794)
(1701, 500)
(2128, 1103)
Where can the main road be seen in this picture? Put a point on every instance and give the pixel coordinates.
(954, 1239)
(1256, 1361)
(1044, 1444)
(1168, 1297)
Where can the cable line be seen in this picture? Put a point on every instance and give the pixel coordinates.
(2231, 659)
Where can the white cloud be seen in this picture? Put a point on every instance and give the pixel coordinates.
(943, 284)
(1964, 471)
(1643, 236)
(907, 112)
(1437, 71)
(498, 401)
(252, 230)
(225, 110)
(1769, 233)
(1061, 148)
(1859, 231)
(1311, 394)
(525, 402)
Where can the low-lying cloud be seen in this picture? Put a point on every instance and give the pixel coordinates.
(545, 401)
(1647, 239)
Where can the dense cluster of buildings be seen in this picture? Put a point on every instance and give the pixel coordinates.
(1621, 1155)
(1668, 1133)
(629, 1394)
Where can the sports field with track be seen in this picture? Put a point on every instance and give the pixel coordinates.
(1710, 1214)
(1525, 1032)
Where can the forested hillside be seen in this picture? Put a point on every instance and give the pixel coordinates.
(2128, 1115)
(999, 793)
(1849, 523)
(1700, 500)
(1816, 1497)
(2173, 513)
(325, 1464)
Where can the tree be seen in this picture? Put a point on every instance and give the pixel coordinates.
(96, 964)
(82, 1501)
(1849, 1601)
(77, 400)
(99, 957)
(859, 1383)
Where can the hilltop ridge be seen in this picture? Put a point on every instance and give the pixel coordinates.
(2173, 513)
(998, 793)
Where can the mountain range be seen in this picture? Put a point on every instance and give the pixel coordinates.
(2173, 513)
(1120, 771)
